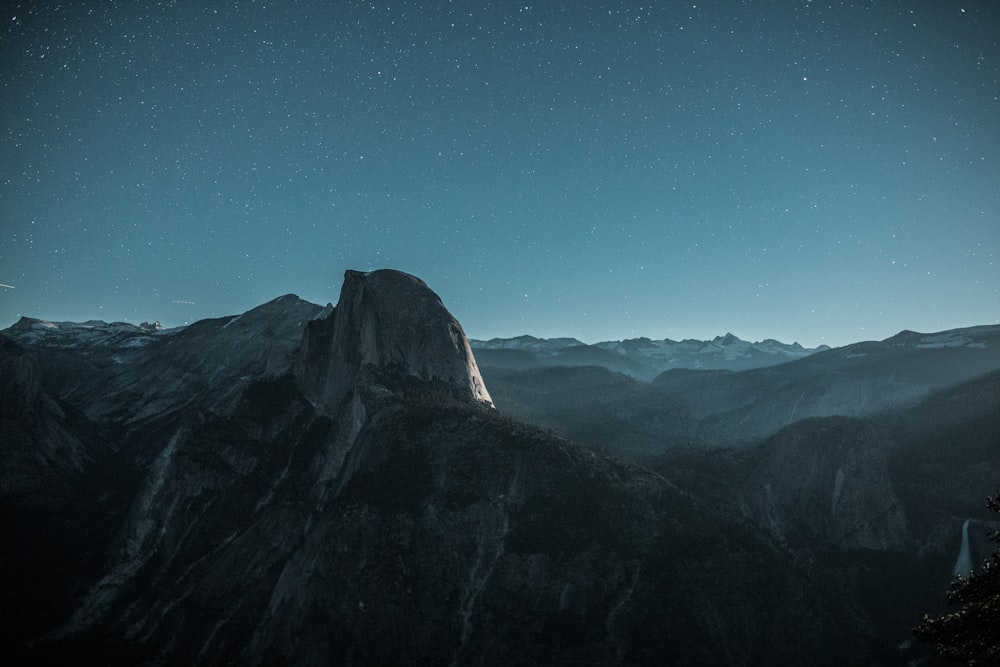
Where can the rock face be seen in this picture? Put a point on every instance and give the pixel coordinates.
(387, 321)
(826, 480)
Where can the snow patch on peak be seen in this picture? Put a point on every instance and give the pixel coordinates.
(69, 335)
(529, 343)
(973, 337)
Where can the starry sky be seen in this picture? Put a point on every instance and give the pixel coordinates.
(820, 172)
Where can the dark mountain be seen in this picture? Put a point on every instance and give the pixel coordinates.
(598, 408)
(946, 450)
(635, 420)
(309, 485)
(543, 346)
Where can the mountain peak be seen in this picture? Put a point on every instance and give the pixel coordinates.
(728, 339)
(388, 320)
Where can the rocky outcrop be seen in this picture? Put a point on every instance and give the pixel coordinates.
(387, 322)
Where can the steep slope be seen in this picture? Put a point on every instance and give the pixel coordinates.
(945, 461)
(353, 497)
(49, 540)
(880, 502)
(457, 537)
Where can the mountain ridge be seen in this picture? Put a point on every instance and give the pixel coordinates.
(648, 357)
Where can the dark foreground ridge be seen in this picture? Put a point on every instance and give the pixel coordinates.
(306, 485)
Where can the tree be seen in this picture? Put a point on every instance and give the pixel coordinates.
(972, 633)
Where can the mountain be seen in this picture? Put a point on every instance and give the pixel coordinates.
(635, 420)
(857, 380)
(827, 478)
(722, 352)
(311, 484)
(544, 346)
(526, 353)
(598, 408)
(119, 370)
(641, 358)
(390, 321)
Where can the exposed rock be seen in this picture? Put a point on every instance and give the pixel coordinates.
(386, 321)
(828, 480)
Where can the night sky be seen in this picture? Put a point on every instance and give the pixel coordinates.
(819, 172)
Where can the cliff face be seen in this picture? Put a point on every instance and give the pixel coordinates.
(826, 479)
(389, 322)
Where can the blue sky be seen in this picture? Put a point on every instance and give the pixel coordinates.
(817, 172)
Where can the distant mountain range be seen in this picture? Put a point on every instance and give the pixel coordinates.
(641, 358)
(726, 407)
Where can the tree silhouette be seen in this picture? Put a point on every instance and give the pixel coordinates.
(972, 633)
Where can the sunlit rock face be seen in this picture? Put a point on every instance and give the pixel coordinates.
(387, 321)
